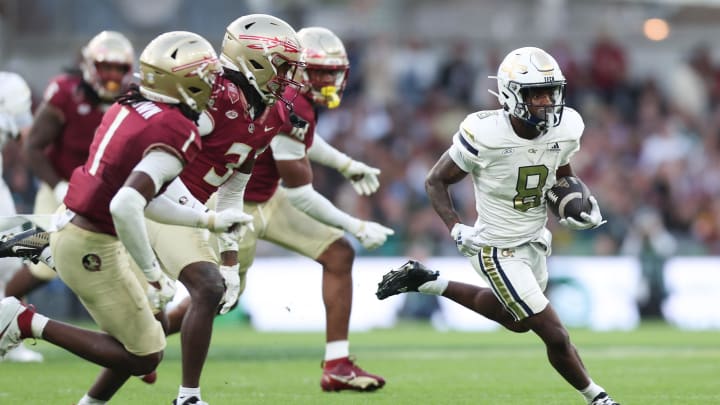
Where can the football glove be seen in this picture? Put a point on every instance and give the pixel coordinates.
(372, 235)
(467, 239)
(230, 221)
(590, 221)
(363, 178)
(160, 291)
(231, 276)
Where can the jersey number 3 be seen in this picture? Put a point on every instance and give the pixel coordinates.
(530, 183)
(240, 150)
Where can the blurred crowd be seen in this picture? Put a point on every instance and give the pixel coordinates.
(649, 150)
(649, 153)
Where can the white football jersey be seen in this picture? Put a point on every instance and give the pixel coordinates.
(512, 174)
(15, 103)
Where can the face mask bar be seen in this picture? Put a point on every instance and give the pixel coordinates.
(548, 116)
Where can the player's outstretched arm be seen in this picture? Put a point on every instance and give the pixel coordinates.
(363, 178)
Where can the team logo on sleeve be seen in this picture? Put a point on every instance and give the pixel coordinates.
(91, 262)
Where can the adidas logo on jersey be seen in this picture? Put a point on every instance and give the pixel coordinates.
(554, 147)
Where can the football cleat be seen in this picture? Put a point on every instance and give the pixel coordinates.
(10, 334)
(189, 401)
(603, 399)
(407, 278)
(22, 354)
(26, 244)
(343, 374)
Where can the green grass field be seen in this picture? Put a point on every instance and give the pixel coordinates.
(655, 364)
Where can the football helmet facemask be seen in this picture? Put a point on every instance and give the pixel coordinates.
(266, 50)
(530, 68)
(326, 73)
(179, 67)
(107, 63)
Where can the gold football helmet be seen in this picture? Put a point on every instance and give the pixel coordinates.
(266, 50)
(327, 67)
(107, 64)
(179, 67)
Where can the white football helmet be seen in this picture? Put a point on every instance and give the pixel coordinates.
(114, 49)
(327, 67)
(266, 50)
(179, 67)
(526, 68)
(15, 98)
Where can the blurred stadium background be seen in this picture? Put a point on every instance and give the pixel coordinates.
(644, 74)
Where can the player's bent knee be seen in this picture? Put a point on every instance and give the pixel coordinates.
(517, 327)
(340, 254)
(146, 364)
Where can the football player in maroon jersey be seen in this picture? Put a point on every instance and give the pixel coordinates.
(260, 54)
(141, 145)
(296, 217)
(63, 129)
(299, 218)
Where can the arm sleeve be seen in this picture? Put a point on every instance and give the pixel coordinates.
(309, 201)
(232, 192)
(323, 153)
(164, 210)
(286, 148)
(126, 208)
(161, 166)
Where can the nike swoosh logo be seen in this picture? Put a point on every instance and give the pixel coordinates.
(343, 378)
(268, 129)
(21, 249)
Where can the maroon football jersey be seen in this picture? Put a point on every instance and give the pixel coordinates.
(265, 177)
(70, 149)
(234, 137)
(125, 135)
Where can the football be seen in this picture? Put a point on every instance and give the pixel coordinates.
(568, 198)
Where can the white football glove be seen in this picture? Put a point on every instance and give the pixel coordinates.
(231, 276)
(373, 235)
(230, 221)
(592, 220)
(467, 239)
(363, 178)
(160, 291)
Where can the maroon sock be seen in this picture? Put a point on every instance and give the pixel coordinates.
(24, 323)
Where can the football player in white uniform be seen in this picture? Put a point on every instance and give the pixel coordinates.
(15, 117)
(513, 155)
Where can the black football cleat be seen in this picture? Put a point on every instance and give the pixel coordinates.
(407, 278)
(26, 244)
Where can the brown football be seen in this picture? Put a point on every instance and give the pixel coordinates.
(568, 198)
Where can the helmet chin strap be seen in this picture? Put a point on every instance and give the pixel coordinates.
(536, 123)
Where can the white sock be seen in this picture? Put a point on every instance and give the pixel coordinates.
(185, 392)
(37, 325)
(434, 287)
(88, 400)
(337, 349)
(591, 391)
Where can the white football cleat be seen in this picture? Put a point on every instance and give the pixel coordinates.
(22, 354)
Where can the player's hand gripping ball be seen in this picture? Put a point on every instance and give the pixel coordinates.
(568, 198)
